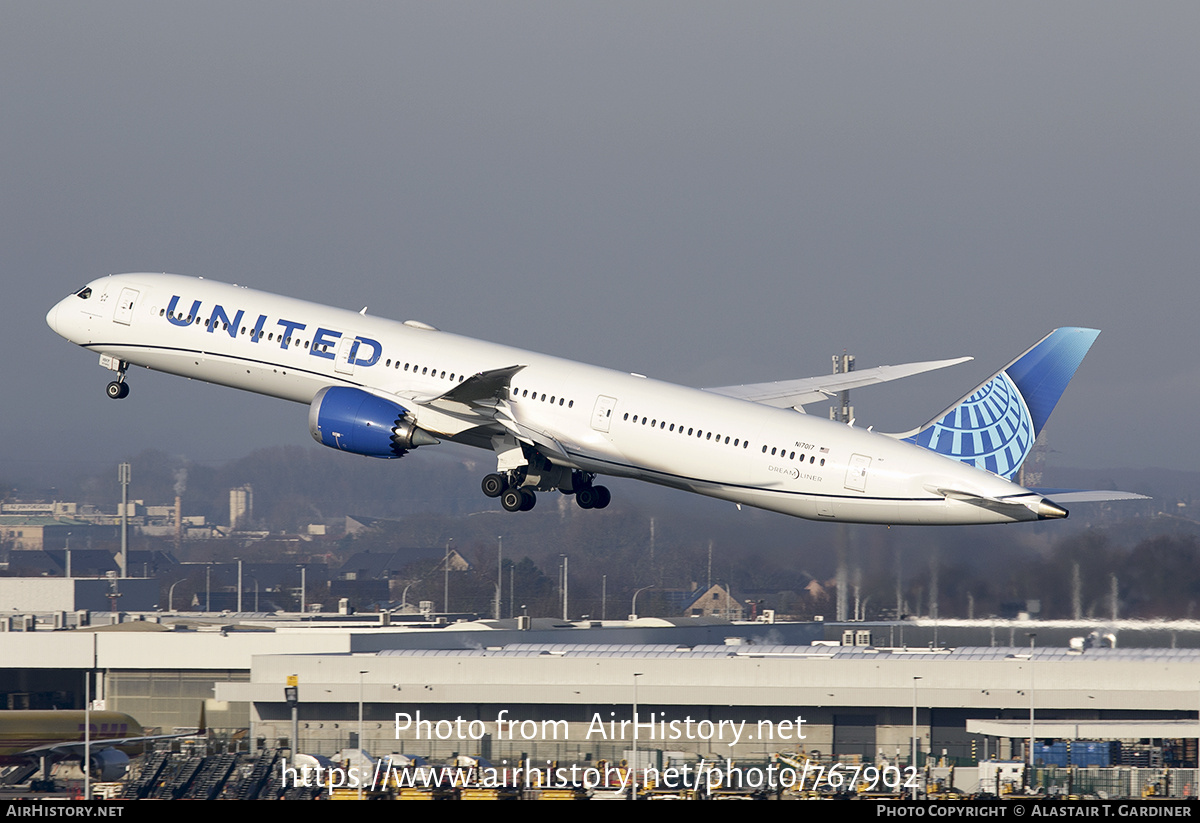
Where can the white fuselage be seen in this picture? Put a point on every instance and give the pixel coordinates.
(601, 421)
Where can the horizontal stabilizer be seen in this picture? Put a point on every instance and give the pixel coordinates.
(994, 427)
(784, 394)
(1087, 495)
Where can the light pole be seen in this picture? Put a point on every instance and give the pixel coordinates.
(1032, 636)
(446, 573)
(361, 749)
(914, 738)
(124, 477)
(565, 572)
(499, 572)
(634, 765)
(633, 605)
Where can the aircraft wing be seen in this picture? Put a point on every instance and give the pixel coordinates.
(479, 391)
(74, 748)
(484, 386)
(783, 394)
(467, 405)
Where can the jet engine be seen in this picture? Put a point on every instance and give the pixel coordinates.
(109, 765)
(353, 420)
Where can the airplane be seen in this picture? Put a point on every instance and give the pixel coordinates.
(380, 388)
(49, 735)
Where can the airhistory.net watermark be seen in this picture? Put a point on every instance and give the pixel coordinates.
(722, 775)
(659, 727)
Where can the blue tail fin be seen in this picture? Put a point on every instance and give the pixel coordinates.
(994, 427)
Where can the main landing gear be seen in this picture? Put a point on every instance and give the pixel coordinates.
(516, 496)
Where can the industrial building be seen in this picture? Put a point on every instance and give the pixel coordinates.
(724, 690)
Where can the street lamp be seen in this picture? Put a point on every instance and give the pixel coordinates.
(633, 606)
(171, 594)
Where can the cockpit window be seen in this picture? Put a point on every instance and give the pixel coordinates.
(85, 292)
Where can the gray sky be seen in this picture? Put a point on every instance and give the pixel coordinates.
(706, 193)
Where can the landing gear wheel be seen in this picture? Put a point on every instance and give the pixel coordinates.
(603, 496)
(117, 390)
(512, 500)
(586, 497)
(528, 500)
(494, 485)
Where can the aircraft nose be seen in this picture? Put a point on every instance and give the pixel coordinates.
(52, 318)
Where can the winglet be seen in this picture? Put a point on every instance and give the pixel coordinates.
(994, 427)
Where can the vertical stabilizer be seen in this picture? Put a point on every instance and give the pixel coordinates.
(994, 427)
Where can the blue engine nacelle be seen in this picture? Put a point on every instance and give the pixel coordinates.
(352, 420)
(109, 765)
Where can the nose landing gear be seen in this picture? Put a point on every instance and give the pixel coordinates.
(117, 389)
